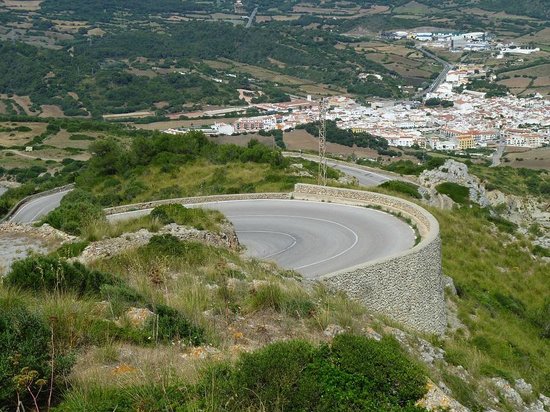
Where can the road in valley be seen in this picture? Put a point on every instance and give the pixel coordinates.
(312, 238)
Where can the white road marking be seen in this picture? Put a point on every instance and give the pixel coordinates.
(312, 218)
(294, 240)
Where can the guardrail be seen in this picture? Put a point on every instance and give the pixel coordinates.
(27, 199)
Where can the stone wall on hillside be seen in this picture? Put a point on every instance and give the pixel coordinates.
(194, 200)
(407, 287)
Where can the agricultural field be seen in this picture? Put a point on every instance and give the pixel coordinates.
(19, 134)
(529, 159)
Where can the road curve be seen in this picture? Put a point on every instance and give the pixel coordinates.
(37, 208)
(312, 238)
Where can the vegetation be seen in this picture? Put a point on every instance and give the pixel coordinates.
(406, 188)
(458, 193)
(514, 181)
(349, 138)
(353, 373)
(501, 298)
(407, 167)
(78, 209)
(198, 218)
(163, 166)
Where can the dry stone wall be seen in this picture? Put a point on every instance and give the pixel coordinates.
(407, 287)
(194, 200)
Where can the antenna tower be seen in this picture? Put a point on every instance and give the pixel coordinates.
(322, 177)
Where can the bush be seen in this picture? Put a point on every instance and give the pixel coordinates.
(77, 210)
(42, 273)
(172, 325)
(24, 342)
(191, 252)
(198, 218)
(460, 194)
(70, 250)
(354, 373)
(402, 187)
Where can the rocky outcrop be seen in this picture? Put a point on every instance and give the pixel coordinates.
(454, 172)
(521, 210)
(44, 232)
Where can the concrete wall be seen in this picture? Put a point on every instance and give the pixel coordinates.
(407, 287)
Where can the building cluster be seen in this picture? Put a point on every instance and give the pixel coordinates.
(459, 41)
(473, 121)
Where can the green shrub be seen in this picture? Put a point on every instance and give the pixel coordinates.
(354, 373)
(268, 297)
(70, 250)
(77, 210)
(169, 245)
(151, 397)
(460, 194)
(121, 297)
(170, 324)
(43, 273)
(198, 218)
(81, 137)
(24, 342)
(402, 187)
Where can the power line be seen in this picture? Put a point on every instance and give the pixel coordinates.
(322, 177)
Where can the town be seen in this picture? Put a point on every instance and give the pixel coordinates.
(452, 118)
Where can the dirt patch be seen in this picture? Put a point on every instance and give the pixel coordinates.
(62, 140)
(24, 102)
(183, 123)
(50, 110)
(516, 82)
(541, 70)
(244, 139)
(542, 81)
(96, 32)
(26, 5)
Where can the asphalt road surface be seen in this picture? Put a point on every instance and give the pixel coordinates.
(35, 209)
(312, 238)
(364, 177)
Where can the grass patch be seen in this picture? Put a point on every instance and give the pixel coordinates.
(501, 298)
(458, 193)
(198, 218)
(406, 188)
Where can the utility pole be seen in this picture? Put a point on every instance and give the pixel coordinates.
(322, 177)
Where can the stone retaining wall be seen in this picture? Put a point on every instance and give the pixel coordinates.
(407, 287)
(195, 200)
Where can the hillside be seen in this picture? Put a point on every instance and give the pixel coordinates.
(147, 294)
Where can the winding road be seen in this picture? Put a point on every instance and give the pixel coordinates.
(313, 238)
(36, 208)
